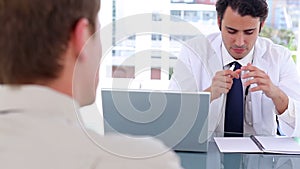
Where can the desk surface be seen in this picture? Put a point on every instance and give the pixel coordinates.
(213, 159)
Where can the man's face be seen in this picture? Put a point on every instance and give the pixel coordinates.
(87, 69)
(239, 33)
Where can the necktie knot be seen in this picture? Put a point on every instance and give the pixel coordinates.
(236, 65)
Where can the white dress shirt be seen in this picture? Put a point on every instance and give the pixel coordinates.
(39, 129)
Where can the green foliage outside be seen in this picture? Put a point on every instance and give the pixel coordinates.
(281, 37)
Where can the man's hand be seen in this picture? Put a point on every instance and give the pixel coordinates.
(264, 83)
(222, 82)
(261, 79)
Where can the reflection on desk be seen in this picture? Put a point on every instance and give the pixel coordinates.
(213, 159)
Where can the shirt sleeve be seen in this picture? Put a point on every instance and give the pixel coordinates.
(289, 116)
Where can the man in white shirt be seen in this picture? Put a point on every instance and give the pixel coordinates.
(268, 74)
(49, 60)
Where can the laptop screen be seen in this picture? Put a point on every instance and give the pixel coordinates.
(178, 119)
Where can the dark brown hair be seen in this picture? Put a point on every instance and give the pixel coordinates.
(35, 33)
(254, 8)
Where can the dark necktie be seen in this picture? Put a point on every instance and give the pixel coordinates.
(234, 110)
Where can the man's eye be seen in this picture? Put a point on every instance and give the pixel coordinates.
(231, 31)
(249, 32)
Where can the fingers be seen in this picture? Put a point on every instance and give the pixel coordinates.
(222, 81)
(224, 78)
(252, 71)
(255, 75)
(258, 81)
(236, 74)
(258, 77)
(229, 73)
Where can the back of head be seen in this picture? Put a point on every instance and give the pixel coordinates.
(254, 8)
(35, 33)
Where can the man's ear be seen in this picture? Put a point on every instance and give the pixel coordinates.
(81, 34)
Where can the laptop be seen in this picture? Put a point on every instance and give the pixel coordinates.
(176, 118)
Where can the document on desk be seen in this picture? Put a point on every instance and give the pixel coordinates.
(236, 145)
(258, 144)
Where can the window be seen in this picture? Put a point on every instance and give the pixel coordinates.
(175, 15)
(156, 37)
(156, 17)
(282, 26)
(192, 16)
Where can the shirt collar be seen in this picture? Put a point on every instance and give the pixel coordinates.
(227, 58)
(39, 101)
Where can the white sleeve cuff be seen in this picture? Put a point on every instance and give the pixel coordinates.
(289, 114)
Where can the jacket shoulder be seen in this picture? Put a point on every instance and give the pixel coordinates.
(268, 45)
(201, 44)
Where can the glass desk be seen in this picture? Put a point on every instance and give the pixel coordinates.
(213, 159)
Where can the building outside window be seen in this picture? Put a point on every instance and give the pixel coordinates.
(282, 26)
